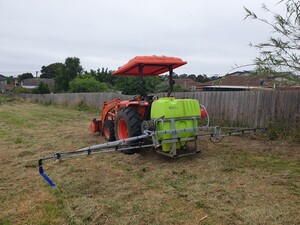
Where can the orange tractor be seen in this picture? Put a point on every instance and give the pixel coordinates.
(123, 119)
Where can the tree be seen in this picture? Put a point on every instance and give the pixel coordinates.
(10, 80)
(281, 51)
(41, 89)
(183, 76)
(52, 70)
(25, 76)
(202, 78)
(151, 83)
(71, 69)
(104, 75)
(165, 88)
(128, 85)
(86, 83)
(215, 77)
(192, 76)
(131, 85)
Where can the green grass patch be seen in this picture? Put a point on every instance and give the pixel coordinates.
(5, 222)
(274, 164)
(15, 119)
(53, 210)
(283, 132)
(18, 140)
(83, 106)
(201, 205)
(5, 99)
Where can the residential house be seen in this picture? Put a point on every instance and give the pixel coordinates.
(186, 83)
(32, 83)
(238, 81)
(3, 83)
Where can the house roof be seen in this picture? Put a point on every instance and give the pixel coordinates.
(9, 87)
(185, 83)
(3, 77)
(37, 81)
(240, 79)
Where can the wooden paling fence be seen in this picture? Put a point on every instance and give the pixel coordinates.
(245, 108)
(250, 108)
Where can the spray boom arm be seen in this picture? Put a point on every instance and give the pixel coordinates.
(214, 133)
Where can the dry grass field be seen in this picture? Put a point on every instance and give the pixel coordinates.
(241, 180)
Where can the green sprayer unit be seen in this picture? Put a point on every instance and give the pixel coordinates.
(169, 125)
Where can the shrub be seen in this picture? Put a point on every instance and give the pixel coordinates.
(86, 83)
(41, 89)
(19, 90)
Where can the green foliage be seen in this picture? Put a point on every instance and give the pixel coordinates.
(19, 90)
(71, 69)
(192, 76)
(25, 76)
(128, 85)
(202, 78)
(5, 99)
(86, 83)
(281, 51)
(198, 78)
(104, 75)
(10, 80)
(41, 89)
(52, 70)
(83, 106)
(151, 83)
(283, 132)
(64, 75)
(131, 85)
(166, 88)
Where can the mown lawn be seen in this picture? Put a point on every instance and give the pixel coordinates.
(241, 180)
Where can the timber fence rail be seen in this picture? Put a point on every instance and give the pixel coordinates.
(93, 99)
(244, 108)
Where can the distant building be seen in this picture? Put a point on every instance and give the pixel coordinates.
(239, 81)
(3, 83)
(32, 83)
(186, 83)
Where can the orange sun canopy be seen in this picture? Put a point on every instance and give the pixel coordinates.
(149, 65)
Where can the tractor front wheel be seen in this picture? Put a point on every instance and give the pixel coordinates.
(109, 130)
(128, 124)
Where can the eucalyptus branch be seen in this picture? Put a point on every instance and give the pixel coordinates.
(281, 52)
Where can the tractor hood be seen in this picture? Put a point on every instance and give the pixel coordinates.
(149, 66)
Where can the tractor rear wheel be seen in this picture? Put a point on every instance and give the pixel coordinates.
(109, 130)
(128, 124)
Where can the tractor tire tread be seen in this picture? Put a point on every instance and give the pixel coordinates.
(111, 127)
(133, 120)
